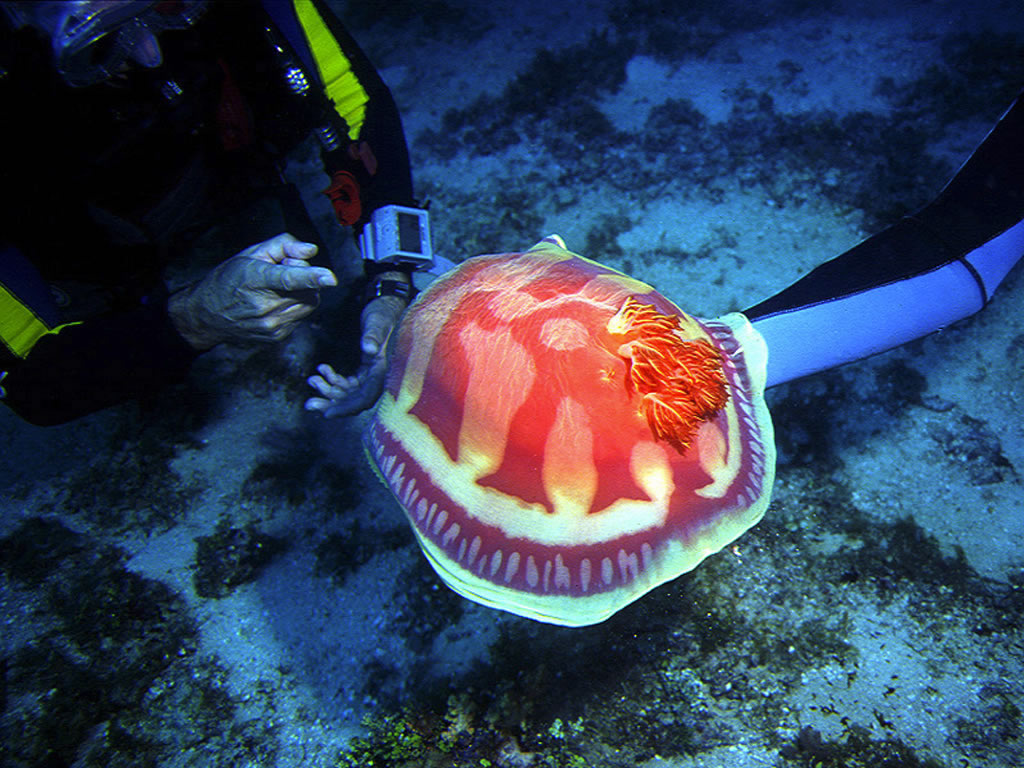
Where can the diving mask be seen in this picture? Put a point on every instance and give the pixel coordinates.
(94, 39)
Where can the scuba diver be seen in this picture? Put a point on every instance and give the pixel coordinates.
(134, 126)
(932, 268)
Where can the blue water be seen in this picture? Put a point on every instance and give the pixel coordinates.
(221, 580)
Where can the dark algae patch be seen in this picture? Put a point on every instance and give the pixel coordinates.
(231, 557)
(112, 634)
(855, 749)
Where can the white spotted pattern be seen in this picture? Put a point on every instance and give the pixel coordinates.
(563, 578)
(512, 567)
(451, 534)
(647, 555)
(495, 562)
(532, 574)
(629, 566)
(442, 518)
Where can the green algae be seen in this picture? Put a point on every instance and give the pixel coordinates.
(391, 740)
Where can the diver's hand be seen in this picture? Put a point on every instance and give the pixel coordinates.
(260, 294)
(345, 395)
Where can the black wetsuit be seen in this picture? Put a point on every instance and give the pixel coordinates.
(932, 268)
(102, 183)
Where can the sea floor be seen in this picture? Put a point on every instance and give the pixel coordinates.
(217, 578)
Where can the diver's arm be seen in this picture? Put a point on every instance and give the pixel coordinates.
(52, 373)
(929, 270)
(372, 192)
(91, 366)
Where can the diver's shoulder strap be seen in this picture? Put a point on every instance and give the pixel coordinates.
(356, 94)
(315, 37)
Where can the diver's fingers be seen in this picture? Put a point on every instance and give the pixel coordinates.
(337, 388)
(317, 404)
(357, 400)
(330, 375)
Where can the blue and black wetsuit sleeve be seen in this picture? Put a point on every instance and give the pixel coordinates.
(372, 145)
(53, 372)
(391, 183)
(932, 268)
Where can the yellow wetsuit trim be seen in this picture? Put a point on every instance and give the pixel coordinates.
(342, 86)
(20, 327)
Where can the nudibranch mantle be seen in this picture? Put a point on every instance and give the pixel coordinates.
(563, 439)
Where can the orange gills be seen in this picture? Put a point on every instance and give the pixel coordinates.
(563, 438)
